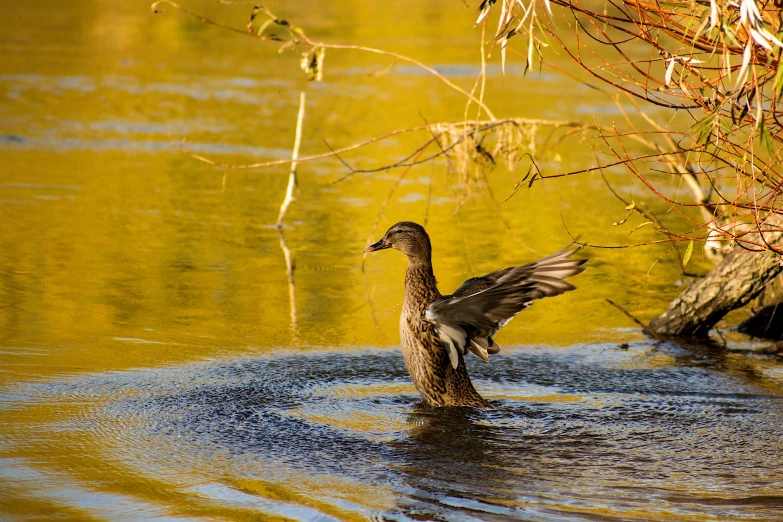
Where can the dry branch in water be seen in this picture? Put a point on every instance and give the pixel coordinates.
(292, 182)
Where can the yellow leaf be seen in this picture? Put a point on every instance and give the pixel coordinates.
(688, 252)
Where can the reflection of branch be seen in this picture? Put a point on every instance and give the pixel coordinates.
(289, 194)
(289, 272)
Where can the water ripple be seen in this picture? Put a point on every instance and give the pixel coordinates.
(574, 435)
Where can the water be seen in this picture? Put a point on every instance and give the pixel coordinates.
(158, 362)
(578, 433)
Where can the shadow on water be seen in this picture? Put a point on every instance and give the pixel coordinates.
(579, 433)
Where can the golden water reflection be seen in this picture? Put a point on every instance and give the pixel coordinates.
(125, 265)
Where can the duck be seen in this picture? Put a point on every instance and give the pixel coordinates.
(438, 331)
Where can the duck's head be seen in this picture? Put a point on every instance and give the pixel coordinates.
(409, 238)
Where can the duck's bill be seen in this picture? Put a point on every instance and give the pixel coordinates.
(380, 245)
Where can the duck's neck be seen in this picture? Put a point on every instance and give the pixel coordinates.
(421, 288)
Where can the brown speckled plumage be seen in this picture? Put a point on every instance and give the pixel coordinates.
(437, 331)
(426, 356)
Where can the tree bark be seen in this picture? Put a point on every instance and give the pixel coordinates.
(733, 283)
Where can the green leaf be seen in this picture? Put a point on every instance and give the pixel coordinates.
(705, 20)
(703, 128)
(778, 85)
(640, 226)
(765, 137)
(729, 32)
(725, 125)
(263, 27)
(295, 30)
(688, 252)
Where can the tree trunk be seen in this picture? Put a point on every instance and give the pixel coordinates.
(733, 283)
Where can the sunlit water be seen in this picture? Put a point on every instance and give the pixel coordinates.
(589, 431)
(158, 362)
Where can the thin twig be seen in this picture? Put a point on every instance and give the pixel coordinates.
(635, 320)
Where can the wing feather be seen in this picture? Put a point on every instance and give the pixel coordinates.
(467, 319)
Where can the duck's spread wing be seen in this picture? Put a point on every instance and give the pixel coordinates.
(467, 319)
(477, 284)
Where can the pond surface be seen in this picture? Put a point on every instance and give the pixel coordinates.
(160, 361)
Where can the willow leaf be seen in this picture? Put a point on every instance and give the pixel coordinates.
(688, 252)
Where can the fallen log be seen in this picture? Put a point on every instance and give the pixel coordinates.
(733, 283)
